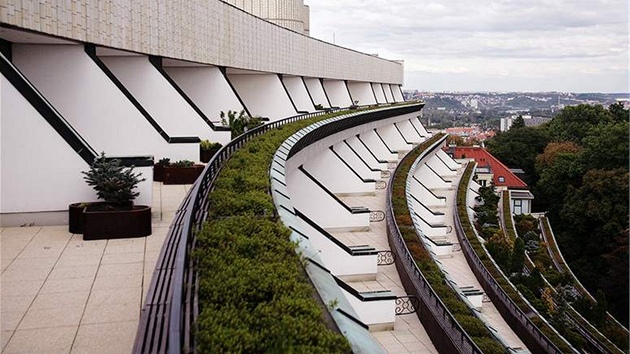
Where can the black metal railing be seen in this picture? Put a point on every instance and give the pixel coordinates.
(520, 323)
(445, 332)
(171, 307)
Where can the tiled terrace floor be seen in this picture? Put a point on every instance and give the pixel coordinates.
(60, 294)
(408, 336)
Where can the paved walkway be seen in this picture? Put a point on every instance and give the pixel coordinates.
(60, 294)
(408, 336)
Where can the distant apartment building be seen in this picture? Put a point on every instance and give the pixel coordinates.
(530, 121)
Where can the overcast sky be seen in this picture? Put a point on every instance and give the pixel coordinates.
(487, 45)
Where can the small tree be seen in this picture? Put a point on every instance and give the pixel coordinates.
(518, 256)
(239, 122)
(112, 182)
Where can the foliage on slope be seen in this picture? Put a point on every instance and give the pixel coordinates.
(472, 325)
(254, 296)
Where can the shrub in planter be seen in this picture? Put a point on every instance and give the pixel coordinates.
(239, 122)
(207, 149)
(116, 216)
(158, 169)
(182, 172)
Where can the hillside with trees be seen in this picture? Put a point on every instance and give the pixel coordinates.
(577, 168)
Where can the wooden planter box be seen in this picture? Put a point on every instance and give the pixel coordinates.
(158, 173)
(182, 175)
(206, 155)
(107, 224)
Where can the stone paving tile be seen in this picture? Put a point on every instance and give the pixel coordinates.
(42, 340)
(67, 285)
(57, 288)
(4, 338)
(45, 301)
(105, 338)
(51, 317)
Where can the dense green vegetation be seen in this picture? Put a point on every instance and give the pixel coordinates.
(254, 295)
(507, 253)
(471, 324)
(577, 166)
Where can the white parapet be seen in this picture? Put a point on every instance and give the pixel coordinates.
(398, 97)
(418, 125)
(311, 199)
(379, 315)
(356, 161)
(431, 179)
(338, 259)
(337, 93)
(92, 104)
(377, 146)
(429, 198)
(362, 92)
(379, 93)
(452, 164)
(388, 93)
(330, 171)
(393, 138)
(365, 153)
(158, 97)
(207, 88)
(438, 166)
(409, 132)
(263, 95)
(297, 90)
(316, 90)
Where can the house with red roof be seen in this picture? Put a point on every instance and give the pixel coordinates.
(489, 168)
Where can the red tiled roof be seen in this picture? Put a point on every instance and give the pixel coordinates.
(485, 159)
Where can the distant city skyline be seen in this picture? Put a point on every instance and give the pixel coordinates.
(488, 45)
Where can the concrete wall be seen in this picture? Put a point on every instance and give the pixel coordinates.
(337, 93)
(291, 14)
(207, 88)
(263, 95)
(398, 97)
(362, 167)
(330, 171)
(393, 138)
(388, 93)
(159, 97)
(315, 88)
(362, 92)
(360, 149)
(297, 90)
(378, 92)
(310, 199)
(377, 147)
(92, 104)
(203, 31)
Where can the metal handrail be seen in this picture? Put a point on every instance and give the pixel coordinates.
(181, 291)
(441, 325)
(519, 321)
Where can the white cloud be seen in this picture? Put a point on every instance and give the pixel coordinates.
(530, 42)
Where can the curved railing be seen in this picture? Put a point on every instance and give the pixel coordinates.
(519, 321)
(445, 332)
(170, 308)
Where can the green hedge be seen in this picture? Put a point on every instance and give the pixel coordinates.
(254, 295)
(471, 324)
(496, 274)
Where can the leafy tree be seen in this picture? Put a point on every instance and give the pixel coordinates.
(619, 113)
(606, 146)
(518, 123)
(239, 122)
(559, 166)
(615, 282)
(574, 122)
(518, 148)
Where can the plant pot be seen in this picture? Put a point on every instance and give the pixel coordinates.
(75, 217)
(158, 173)
(182, 175)
(107, 224)
(206, 155)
